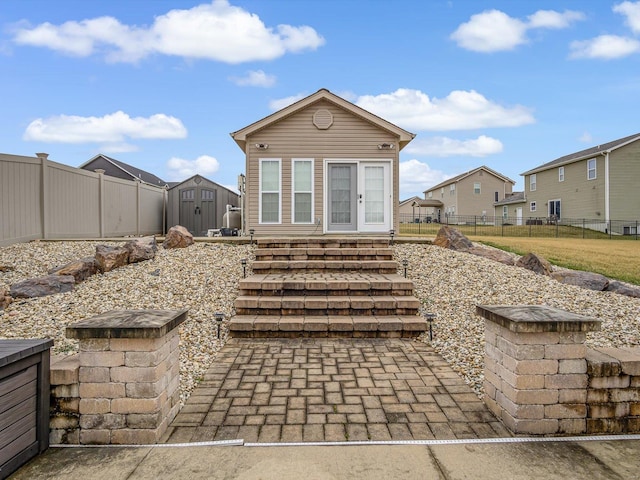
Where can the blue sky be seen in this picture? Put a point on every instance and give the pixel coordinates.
(160, 84)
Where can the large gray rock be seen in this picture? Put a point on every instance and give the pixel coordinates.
(535, 263)
(178, 237)
(79, 269)
(492, 254)
(110, 258)
(623, 289)
(452, 239)
(43, 286)
(590, 280)
(141, 249)
(5, 299)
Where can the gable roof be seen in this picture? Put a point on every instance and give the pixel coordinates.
(462, 176)
(587, 153)
(134, 172)
(240, 136)
(412, 199)
(173, 185)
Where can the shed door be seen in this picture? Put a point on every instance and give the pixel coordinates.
(187, 216)
(207, 214)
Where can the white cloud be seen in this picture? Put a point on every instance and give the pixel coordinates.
(494, 30)
(255, 78)
(631, 10)
(416, 177)
(460, 110)
(448, 147)
(111, 128)
(280, 103)
(118, 148)
(605, 47)
(213, 31)
(586, 138)
(180, 169)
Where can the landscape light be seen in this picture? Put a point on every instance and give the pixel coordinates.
(219, 317)
(430, 318)
(244, 267)
(391, 234)
(405, 264)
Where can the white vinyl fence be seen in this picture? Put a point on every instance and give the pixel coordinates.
(41, 199)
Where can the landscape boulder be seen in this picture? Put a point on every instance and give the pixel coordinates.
(535, 263)
(110, 258)
(43, 286)
(5, 299)
(79, 269)
(492, 254)
(141, 249)
(452, 239)
(590, 280)
(623, 289)
(178, 237)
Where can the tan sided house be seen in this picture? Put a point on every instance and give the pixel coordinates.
(321, 165)
(599, 183)
(472, 193)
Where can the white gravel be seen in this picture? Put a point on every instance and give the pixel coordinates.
(204, 278)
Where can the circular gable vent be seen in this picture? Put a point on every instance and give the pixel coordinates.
(322, 119)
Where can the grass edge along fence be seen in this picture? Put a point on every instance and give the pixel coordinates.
(550, 227)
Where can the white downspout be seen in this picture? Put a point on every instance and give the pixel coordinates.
(606, 188)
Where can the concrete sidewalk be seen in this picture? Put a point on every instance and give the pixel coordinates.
(611, 460)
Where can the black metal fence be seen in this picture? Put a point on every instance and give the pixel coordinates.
(522, 227)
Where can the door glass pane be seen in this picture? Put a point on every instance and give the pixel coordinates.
(341, 194)
(374, 194)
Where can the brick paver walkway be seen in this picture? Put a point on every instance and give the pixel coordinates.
(316, 390)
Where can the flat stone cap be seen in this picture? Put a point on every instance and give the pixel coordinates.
(128, 324)
(537, 318)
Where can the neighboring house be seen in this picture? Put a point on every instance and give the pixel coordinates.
(321, 165)
(472, 193)
(407, 210)
(511, 207)
(199, 205)
(599, 183)
(116, 168)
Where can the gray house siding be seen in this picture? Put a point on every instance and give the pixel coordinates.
(624, 175)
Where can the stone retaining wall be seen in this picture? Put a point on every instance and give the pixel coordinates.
(540, 378)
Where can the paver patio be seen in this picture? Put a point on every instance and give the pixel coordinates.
(328, 390)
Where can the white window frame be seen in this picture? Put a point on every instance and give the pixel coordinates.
(594, 169)
(429, 194)
(479, 184)
(505, 211)
(533, 207)
(452, 189)
(561, 174)
(279, 191)
(533, 182)
(294, 191)
(442, 192)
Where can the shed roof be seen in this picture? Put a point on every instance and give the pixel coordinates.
(515, 197)
(134, 172)
(457, 178)
(582, 154)
(173, 185)
(427, 203)
(240, 136)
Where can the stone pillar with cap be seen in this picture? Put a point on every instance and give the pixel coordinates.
(535, 376)
(129, 375)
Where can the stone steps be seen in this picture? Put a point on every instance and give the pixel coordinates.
(324, 254)
(322, 242)
(366, 266)
(352, 326)
(326, 305)
(328, 284)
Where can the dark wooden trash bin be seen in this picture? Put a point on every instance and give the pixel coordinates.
(24, 401)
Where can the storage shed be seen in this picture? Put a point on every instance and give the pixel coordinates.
(198, 204)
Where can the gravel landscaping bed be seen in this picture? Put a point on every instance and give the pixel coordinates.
(204, 278)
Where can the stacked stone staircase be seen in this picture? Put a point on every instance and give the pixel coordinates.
(326, 287)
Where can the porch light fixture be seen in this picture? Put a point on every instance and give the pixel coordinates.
(219, 316)
(244, 267)
(251, 232)
(405, 264)
(391, 234)
(430, 318)
(386, 146)
(262, 146)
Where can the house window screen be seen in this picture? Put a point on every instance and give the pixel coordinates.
(374, 195)
(270, 191)
(591, 169)
(533, 182)
(341, 194)
(476, 188)
(302, 191)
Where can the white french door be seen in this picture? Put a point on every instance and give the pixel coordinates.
(358, 196)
